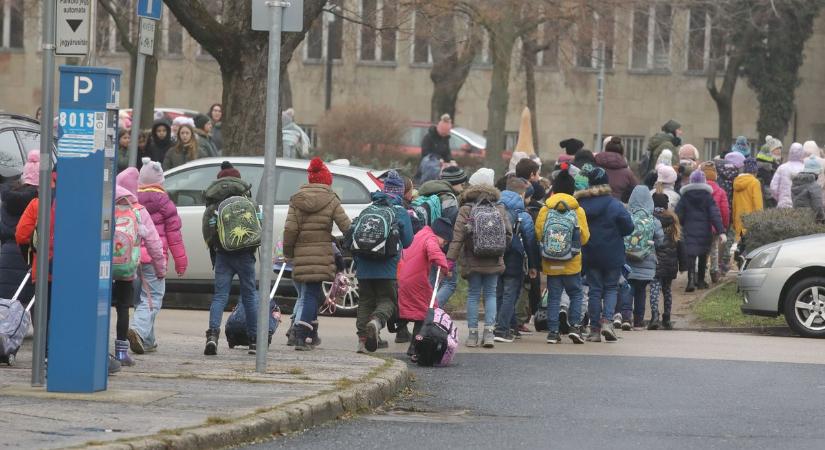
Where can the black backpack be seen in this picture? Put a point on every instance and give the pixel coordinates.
(374, 233)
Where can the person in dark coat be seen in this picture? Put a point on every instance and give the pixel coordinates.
(604, 255)
(437, 140)
(15, 198)
(667, 262)
(699, 216)
(160, 141)
(612, 160)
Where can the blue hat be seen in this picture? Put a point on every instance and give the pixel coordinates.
(742, 146)
(394, 184)
(812, 165)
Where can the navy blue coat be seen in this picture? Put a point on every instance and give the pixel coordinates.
(386, 269)
(524, 238)
(13, 265)
(609, 223)
(699, 216)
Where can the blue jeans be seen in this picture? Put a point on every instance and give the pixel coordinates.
(299, 301)
(148, 303)
(625, 301)
(478, 283)
(634, 306)
(556, 284)
(227, 265)
(604, 287)
(311, 294)
(447, 286)
(510, 288)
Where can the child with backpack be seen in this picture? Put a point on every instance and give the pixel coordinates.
(667, 262)
(604, 255)
(481, 234)
(376, 240)
(228, 208)
(164, 215)
(133, 229)
(640, 253)
(562, 230)
(522, 249)
(414, 288)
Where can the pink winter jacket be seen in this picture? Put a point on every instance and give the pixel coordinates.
(165, 217)
(721, 199)
(126, 191)
(414, 289)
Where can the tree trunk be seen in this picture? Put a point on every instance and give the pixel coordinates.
(286, 91)
(244, 123)
(451, 65)
(528, 55)
(501, 44)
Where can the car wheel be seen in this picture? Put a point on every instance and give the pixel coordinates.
(805, 308)
(349, 303)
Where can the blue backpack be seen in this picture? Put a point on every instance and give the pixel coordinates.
(561, 237)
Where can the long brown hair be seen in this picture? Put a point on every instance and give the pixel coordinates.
(191, 148)
(674, 232)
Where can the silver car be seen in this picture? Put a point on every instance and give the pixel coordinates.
(187, 184)
(787, 277)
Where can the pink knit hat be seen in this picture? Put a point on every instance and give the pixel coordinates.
(31, 171)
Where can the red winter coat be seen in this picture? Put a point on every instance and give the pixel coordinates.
(721, 199)
(414, 288)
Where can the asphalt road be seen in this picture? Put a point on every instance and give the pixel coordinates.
(590, 401)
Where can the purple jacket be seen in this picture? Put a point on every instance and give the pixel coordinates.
(165, 217)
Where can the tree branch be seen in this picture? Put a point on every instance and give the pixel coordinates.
(121, 24)
(210, 34)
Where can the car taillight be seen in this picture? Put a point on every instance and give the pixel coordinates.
(375, 180)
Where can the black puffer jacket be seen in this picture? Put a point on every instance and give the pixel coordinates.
(436, 144)
(13, 265)
(667, 254)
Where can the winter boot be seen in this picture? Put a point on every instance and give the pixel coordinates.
(373, 334)
(402, 336)
(114, 365)
(303, 336)
(714, 277)
(700, 281)
(211, 342)
(608, 332)
(666, 323)
(654, 321)
(122, 353)
(316, 341)
(691, 284)
(488, 338)
(253, 346)
(290, 335)
(472, 339)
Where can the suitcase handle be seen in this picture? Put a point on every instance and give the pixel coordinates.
(435, 287)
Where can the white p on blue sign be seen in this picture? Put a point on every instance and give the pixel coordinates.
(150, 9)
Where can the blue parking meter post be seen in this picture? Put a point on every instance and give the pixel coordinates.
(83, 227)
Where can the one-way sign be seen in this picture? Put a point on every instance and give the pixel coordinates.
(72, 27)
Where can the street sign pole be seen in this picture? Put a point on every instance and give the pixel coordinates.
(273, 80)
(600, 99)
(44, 210)
(146, 46)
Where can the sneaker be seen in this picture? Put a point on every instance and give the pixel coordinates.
(626, 326)
(373, 328)
(382, 343)
(564, 325)
(487, 340)
(608, 332)
(553, 337)
(135, 342)
(472, 339)
(503, 336)
(114, 365)
(594, 336)
(617, 320)
(516, 334)
(638, 324)
(523, 329)
(576, 335)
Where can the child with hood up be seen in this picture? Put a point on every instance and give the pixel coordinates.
(783, 178)
(806, 190)
(700, 218)
(147, 234)
(767, 160)
(643, 271)
(747, 196)
(160, 141)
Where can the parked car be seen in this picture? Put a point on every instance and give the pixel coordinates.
(186, 185)
(463, 142)
(18, 135)
(788, 278)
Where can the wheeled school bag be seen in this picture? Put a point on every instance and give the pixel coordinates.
(437, 342)
(14, 323)
(235, 328)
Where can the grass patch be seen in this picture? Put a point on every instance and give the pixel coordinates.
(295, 371)
(216, 420)
(721, 309)
(344, 383)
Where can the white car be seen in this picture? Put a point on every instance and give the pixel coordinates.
(186, 185)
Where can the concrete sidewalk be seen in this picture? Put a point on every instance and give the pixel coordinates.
(180, 398)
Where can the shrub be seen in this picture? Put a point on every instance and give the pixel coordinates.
(773, 225)
(366, 134)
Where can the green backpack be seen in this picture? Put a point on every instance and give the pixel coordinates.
(238, 224)
(639, 245)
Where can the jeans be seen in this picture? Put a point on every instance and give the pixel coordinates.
(148, 304)
(446, 288)
(604, 289)
(122, 293)
(565, 299)
(635, 306)
(377, 299)
(663, 286)
(510, 287)
(556, 284)
(299, 300)
(477, 283)
(227, 265)
(715, 251)
(311, 294)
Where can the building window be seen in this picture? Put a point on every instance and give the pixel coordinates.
(324, 27)
(379, 32)
(706, 44)
(11, 23)
(422, 53)
(712, 150)
(172, 35)
(109, 38)
(651, 37)
(510, 139)
(634, 146)
(593, 31)
(548, 57)
(483, 57)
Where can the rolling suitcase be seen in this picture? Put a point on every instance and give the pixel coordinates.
(235, 328)
(437, 342)
(15, 320)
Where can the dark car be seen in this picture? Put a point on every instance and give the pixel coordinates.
(18, 135)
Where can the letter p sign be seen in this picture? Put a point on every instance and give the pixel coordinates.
(86, 83)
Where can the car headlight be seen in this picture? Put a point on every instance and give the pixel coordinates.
(765, 258)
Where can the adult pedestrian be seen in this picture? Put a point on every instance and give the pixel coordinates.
(612, 160)
(295, 140)
(435, 150)
(783, 179)
(571, 146)
(216, 116)
(203, 126)
(14, 198)
(670, 137)
(699, 217)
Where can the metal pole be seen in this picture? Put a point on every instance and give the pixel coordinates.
(600, 97)
(92, 55)
(44, 208)
(328, 77)
(273, 81)
(137, 103)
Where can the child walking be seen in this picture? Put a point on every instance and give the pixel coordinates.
(700, 218)
(667, 262)
(641, 254)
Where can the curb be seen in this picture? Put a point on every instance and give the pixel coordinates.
(380, 386)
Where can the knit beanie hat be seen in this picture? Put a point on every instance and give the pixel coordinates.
(571, 146)
(666, 174)
(394, 184)
(812, 165)
(690, 152)
(597, 177)
(698, 177)
(584, 157)
(581, 178)
(665, 158)
(671, 126)
(228, 170)
(614, 146)
(564, 182)
(772, 143)
(150, 173)
(443, 228)
(735, 158)
(483, 177)
(660, 201)
(750, 165)
(31, 171)
(742, 146)
(201, 121)
(709, 168)
(317, 172)
(454, 175)
(812, 149)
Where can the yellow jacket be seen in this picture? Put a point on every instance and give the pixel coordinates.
(747, 198)
(573, 266)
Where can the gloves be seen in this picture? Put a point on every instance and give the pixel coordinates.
(723, 238)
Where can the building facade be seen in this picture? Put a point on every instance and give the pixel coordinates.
(655, 70)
